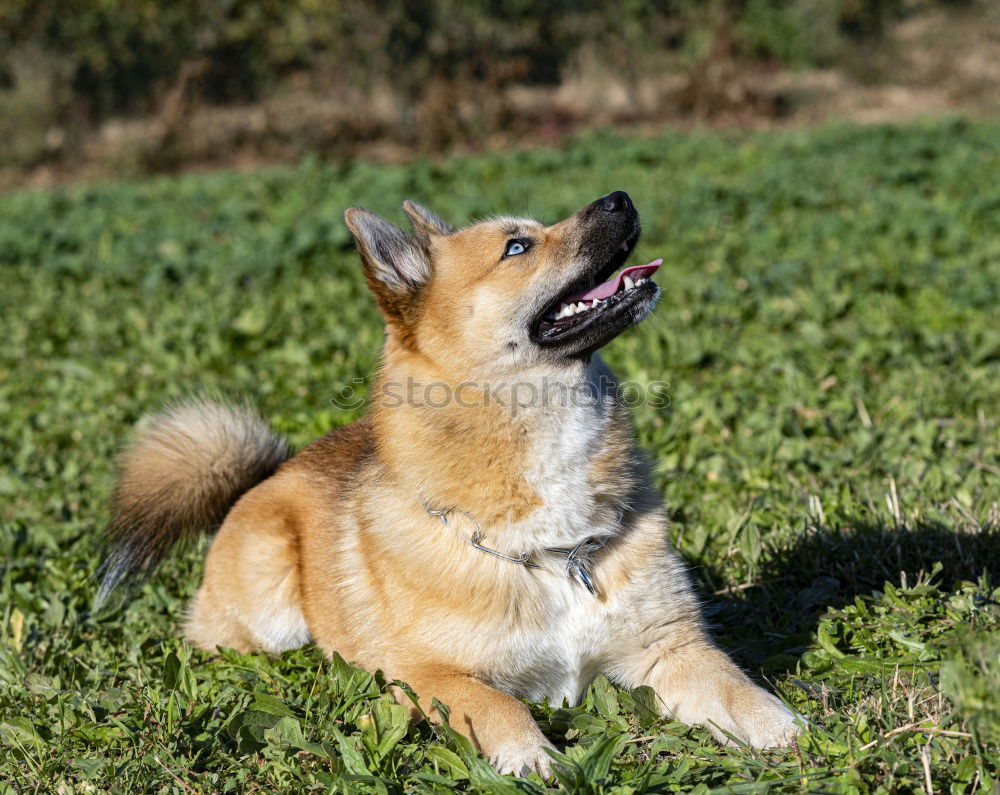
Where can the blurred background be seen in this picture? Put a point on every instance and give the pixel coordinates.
(112, 87)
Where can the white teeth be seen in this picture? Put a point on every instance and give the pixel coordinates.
(566, 310)
(629, 284)
(639, 281)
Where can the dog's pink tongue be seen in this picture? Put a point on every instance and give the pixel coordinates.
(610, 287)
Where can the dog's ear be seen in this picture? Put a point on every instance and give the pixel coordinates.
(395, 264)
(389, 256)
(425, 223)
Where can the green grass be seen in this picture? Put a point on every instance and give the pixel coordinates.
(830, 333)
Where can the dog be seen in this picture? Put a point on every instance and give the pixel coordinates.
(500, 545)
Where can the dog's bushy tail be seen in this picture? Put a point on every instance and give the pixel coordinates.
(180, 475)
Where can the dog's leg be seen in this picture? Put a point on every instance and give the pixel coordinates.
(698, 684)
(499, 725)
(665, 645)
(249, 596)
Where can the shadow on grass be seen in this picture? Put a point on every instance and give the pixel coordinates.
(827, 569)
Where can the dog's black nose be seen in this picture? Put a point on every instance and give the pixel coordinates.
(616, 202)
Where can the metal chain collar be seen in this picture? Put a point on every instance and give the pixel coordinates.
(579, 564)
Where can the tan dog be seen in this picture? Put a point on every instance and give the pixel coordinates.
(488, 532)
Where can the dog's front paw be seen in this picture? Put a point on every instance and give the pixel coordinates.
(522, 758)
(758, 719)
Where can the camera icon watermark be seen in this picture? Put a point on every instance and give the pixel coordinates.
(350, 396)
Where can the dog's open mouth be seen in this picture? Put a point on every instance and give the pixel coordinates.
(601, 310)
(585, 301)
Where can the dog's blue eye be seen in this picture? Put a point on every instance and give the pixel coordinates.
(515, 247)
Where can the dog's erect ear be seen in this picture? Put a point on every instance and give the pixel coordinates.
(395, 265)
(390, 257)
(425, 223)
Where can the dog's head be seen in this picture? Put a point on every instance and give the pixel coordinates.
(507, 293)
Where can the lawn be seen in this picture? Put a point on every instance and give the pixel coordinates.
(830, 333)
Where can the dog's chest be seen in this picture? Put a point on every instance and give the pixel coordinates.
(557, 657)
(559, 473)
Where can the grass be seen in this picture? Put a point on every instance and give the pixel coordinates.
(830, 334)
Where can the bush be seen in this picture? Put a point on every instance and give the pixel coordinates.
(122, 55)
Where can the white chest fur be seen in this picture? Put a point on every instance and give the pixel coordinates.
(568, 428)
(558, 659)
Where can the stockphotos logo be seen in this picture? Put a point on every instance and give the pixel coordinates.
(513, 396)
